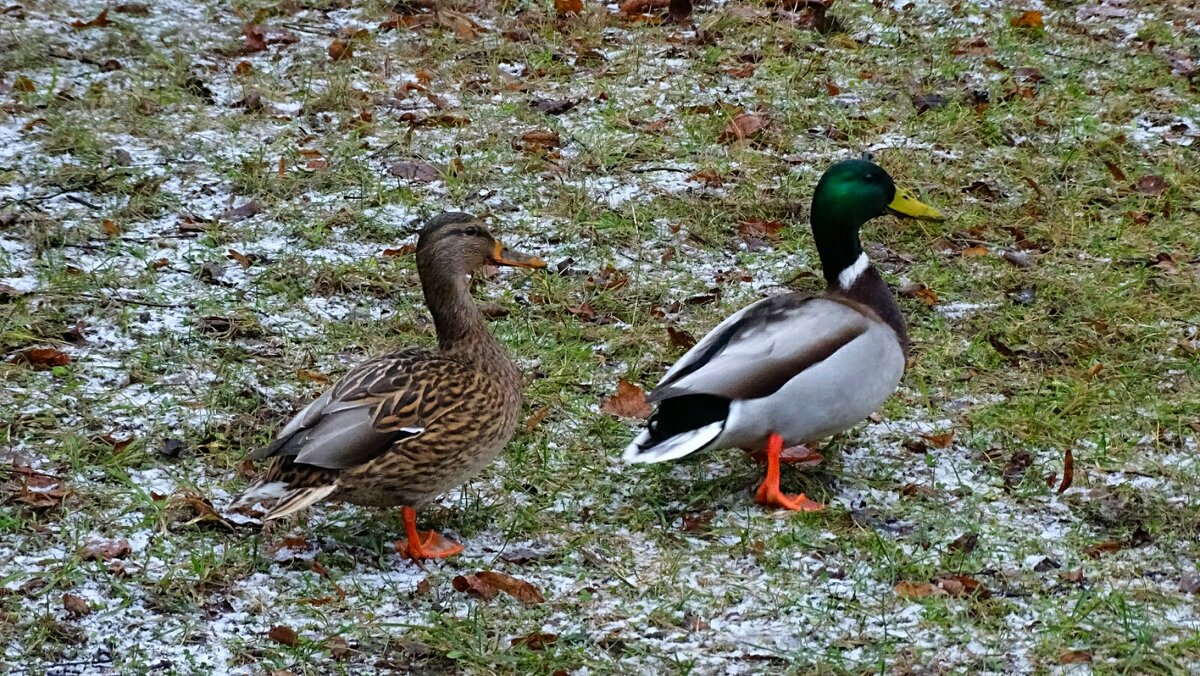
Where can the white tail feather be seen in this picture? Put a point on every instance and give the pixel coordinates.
(672, 448)
(297, 499)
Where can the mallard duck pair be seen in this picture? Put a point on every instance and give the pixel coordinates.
(402, 428)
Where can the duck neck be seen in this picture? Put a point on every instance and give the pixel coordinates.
(461, 330)
(849, 272)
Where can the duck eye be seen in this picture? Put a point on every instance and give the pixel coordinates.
(870, 178)
(473, 231)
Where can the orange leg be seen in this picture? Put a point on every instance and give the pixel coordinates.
(769, 493)
(434, 546)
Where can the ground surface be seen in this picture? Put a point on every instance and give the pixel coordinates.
(201, 223)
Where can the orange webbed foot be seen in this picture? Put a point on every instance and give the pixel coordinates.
(769, 493)
(433, 546)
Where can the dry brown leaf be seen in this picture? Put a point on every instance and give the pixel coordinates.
(538, 140)
(100, 21)
(338, 647)
(1028, 19)
(628, 402)
(1075, 657)
(962, 586)
(680, 11)
(23, 84)
(1068, 471)
(832, 89)
(975, 251)
(105, 550)
(631, 7)
(568, 7)
(243, 68)
(920, 291)
(313, 376)
(708, 177)
(519, 589)
(340, 49)
(740, 72)
(42, 358)
(284, 635)
(916, 590)
(241, 258)
(110, 228)
(743, 127)
(471, 585)
(942, 440)
(75, 605)
(1151, 185)
(680, 338)
(756, 233)
(1105, 548)
(241, 213)
(1116, 172)
(535, 641)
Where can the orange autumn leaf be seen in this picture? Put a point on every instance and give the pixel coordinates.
(100, 21)
(744, 126)
(568, 7)
(628, 402)
(1028, 19)
(518, 589)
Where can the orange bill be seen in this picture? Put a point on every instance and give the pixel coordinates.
(503, 255)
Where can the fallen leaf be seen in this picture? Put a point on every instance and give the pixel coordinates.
(23, 84)
(100, 21)
(740, 72)
(471, 585)
(41, 358)
(539, 140)
(313, 376)
(535, 641)
(416, 171)
(552, 106)
(241, 213)
(283, 635)
(920, 291)
(942, 440)
(519, 589)
(254, 39)
(832, 89)
(340, 50)
(243, 68)
(109, 227)
(568, 7)
(631, 7)
(118, 445)
(697, 522)
(75, 605)
(290, 549)
(680, 338)
(536, 418)
(1150, 185)
(927, 102)
(1165, 262)
(1075, 657)
(105, 550)
(743, 127)
(1028, 19)
(680, 11)
(1117, 174)
(916, 590)
(756, 233)
(1068, 471)
(241, 258)
(338, 647)
(965, 543)
(708, 177)
(963, 586)
(628, 402)
(974, 251)
(37, 490)
(1014, 470)
(1104, 548)
(133, 8)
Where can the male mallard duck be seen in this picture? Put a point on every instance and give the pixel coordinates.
(793, 369)
(404, 427)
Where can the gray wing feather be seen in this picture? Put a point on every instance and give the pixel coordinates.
(754, 352)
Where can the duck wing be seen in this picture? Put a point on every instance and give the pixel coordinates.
(379, 403)
(758, 349)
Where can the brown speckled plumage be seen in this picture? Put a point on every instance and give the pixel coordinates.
(405, 427)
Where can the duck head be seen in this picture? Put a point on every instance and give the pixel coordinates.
(461, 243)
(849, 194)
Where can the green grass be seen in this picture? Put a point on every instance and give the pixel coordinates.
(670, 569)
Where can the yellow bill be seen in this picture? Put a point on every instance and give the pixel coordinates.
(502, 255)
(905, 204)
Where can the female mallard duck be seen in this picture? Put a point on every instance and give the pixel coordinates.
(404, 427)
(793, 369)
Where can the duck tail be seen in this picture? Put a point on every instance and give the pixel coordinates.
(681, 426)
(279, 492)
